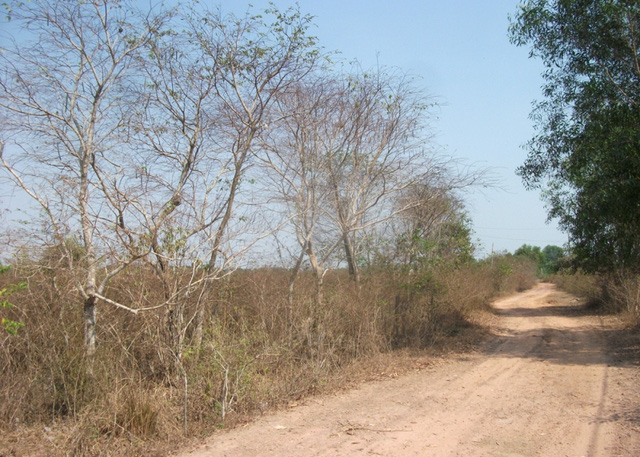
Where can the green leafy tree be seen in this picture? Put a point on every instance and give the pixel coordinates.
(585, 154)
(553, 255)
(534, 253)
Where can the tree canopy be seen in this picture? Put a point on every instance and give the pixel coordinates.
(585, 154)
(548, 260)
(553, 257)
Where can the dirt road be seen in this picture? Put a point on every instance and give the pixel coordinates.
(548, 384)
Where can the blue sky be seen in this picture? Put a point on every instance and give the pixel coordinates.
(485, 84)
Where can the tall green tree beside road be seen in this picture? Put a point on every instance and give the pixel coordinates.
(548, 259)
(585, 154)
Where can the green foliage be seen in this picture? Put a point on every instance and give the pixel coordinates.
(585, 154)
(451, 245)
(437, 231)
(532, 252)
(547, 260)
(502, 270)
(553, 257)
(11, 326)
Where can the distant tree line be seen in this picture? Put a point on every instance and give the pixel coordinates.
(548, 260)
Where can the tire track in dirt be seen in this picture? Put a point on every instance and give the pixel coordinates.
(542, 386)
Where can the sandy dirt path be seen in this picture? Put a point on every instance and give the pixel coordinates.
(545, 385)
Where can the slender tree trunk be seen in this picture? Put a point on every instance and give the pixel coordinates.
(90, 327)
(89, 309)
(318, 273)
(176, 329)
(354, 272)
(293, 277)
(319, 286)
(198, 332)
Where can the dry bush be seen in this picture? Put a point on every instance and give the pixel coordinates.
(621, 294)
(45, 380)
(469, 288)
(512, 274)
(258, 352)
(43, 370)
(617, 292)
(585, 286)
(439, 302)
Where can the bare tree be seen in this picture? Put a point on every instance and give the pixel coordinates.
(170, 203)
(294, 156)
(135, 131)
(354, 154)
(64, 95)
(213, 87)
(256, 63)
(347, 148)
(376, 145)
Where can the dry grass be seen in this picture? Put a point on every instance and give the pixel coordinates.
(257, 352)
(586, 286)
(613, 293)
(621, 293)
